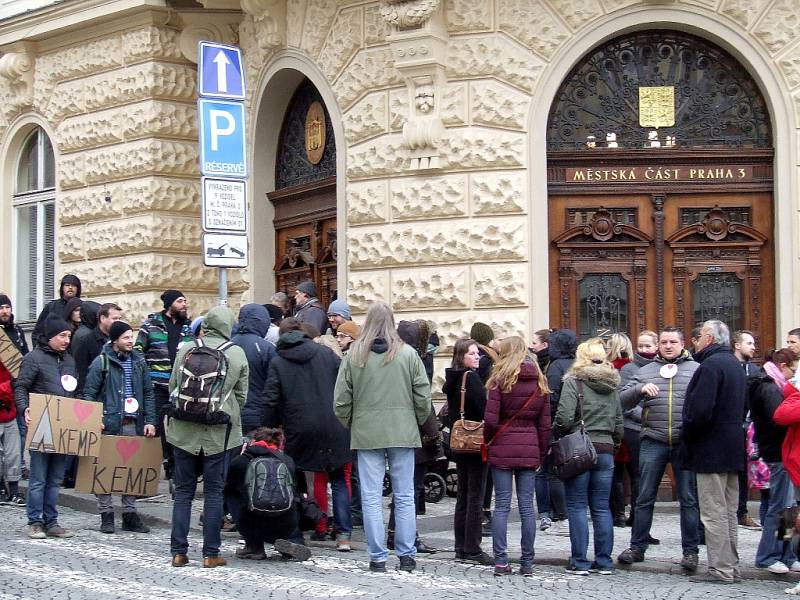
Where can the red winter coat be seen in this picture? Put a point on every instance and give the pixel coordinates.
(523, 443)
(8, 410)
(788, 415)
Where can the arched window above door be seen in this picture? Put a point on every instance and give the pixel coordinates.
(710, 97)
(306, 148)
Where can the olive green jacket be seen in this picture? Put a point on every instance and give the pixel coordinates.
(383, 404)
(210, 439)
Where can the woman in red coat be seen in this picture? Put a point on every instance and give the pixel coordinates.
(517, 432)
(788, 415)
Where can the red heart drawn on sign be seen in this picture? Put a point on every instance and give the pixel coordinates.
(127, 448)
(83, 410)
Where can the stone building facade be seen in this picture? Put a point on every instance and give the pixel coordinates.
(439, 110)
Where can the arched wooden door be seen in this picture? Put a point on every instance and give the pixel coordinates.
(305, 197)
(671, 230)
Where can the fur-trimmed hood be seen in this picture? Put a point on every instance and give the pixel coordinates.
(602, 378)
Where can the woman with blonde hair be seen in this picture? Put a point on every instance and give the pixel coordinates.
(517, 433)
(589, 394)
(383, 395)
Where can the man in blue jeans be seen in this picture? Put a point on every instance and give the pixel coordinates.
(661, 386)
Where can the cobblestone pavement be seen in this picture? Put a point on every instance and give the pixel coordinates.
(129, 566)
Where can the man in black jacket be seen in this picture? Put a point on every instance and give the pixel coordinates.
(69, 288)
(712, 446)
(253, 324)
(88, 347)
(48, 369)
(308, 308)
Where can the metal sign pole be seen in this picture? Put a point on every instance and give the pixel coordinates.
(223, 286)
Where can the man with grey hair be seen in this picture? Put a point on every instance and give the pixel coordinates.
(713, 446)
(281, 300)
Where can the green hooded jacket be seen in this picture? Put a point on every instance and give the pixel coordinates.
(210, 439)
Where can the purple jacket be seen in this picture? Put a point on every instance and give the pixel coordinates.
(523, 443)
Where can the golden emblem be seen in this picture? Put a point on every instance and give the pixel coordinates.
(657, 106)
(315, 133)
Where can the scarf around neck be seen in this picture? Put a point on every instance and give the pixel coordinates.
(774, 371)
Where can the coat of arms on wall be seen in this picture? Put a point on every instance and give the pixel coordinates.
(315, 133)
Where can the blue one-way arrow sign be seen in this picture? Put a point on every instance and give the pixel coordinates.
(221, 74)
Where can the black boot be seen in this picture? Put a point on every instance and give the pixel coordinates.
(107, 522)
(132, 522)
(390, 540)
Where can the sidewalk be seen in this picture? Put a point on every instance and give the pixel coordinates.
(435, 527)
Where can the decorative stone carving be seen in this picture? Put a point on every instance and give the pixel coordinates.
(70, 244)
(438, 242)
(152, 42)
(369, 69)
(90, 130)
(366, 202)
(473, 148)
(203, 30)
(531, 22)
(319, 16)
(130, 197)
(577, 12)
(163, 271)
(142, 81)
(779, 26)
(429, 288)
(428, 197)
(366, 118)
(344, 40)
(266, 21)
(66, 99)
(790, 65)
(454, 104)
(154, 232)
(408, 14)
(398, 108)
(156, 118)
(17, 67)
(364, 287)
(468, 15)
(99, 276)
(612, 5)
(496, 105)
(499, 285)
(744, 12)
(498, 192)
(134, 159)
(375, 26)
(78, 61)
(493, 56)
(295, 15)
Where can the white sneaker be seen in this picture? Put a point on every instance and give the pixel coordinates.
(795, 568)
(778, 568)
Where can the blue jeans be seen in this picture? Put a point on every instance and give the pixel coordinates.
(23, 431)
(591, 489)
(503, 480)
(371, 469)
(653, 459)
(187, 469)
(342, 519)
(542, 486)
(781, 495)
(44, 481)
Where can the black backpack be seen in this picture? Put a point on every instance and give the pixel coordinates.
(269, 484)
(198, 396)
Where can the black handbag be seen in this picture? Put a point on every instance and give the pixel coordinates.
(573, 453)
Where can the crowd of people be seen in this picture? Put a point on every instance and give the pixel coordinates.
(274, 405)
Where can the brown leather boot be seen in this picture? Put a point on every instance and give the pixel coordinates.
(180, 560)
(209, 562)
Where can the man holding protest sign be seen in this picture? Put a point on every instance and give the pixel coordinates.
(12, 349)
(120, 379)
(48, 369)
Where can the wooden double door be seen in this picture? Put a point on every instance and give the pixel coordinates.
(628, 260)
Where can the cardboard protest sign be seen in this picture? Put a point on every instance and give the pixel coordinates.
(10, 356)
(127, 465)
(62, 425)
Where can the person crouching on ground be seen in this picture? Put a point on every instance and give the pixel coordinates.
(259, 526)
(120, 379)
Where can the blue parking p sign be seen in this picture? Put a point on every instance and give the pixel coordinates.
(220, 74)
(222, 138)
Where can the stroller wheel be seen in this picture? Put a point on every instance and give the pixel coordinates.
(451, 483)
(434, 487)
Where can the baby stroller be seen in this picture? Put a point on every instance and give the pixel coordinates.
(443, 467)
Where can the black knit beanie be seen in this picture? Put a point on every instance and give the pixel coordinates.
(170, 296)
(117, 329)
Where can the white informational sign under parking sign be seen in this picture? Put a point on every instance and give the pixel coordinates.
(225, 250)
(224, 205)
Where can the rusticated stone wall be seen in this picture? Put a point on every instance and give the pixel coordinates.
(122, 106)
(453, 244)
